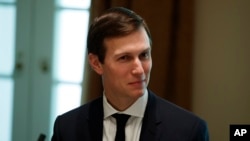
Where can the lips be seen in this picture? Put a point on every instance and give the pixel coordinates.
(138, 82)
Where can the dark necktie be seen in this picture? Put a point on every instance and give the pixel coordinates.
(121, 120)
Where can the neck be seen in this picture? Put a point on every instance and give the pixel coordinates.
(120, 104)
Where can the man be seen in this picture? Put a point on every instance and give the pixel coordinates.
(119, 50)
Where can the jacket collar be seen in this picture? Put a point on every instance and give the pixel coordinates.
(96, 120)
(150, 120)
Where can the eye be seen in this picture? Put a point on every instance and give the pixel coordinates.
(145, 55)
(123, 58)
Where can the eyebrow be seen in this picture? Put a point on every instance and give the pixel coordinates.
(148, 49)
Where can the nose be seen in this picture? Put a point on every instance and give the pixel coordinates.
(138, 67)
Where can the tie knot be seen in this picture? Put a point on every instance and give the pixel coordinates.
(121, 118)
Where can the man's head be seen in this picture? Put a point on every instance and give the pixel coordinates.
(119, 49)
(114, 22)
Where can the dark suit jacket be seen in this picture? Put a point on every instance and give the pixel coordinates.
(163, 121)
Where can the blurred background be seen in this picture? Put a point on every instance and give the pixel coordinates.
(200, 47)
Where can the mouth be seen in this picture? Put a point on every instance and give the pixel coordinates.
(138, 82)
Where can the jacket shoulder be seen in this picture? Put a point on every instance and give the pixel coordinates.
(82, 111)
(178, 122)
(74, 124)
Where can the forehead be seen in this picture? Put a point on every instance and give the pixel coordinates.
(134, 42)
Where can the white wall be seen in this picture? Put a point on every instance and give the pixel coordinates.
(221, 79)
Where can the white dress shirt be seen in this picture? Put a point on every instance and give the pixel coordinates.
(134, 123)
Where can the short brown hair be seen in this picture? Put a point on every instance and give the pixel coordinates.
(114, 22)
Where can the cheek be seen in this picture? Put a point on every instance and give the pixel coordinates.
(148, 67)
(122, 71)
(115, 72)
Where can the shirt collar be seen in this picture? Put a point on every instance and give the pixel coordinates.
(137, 109)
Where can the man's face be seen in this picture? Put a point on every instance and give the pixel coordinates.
(127, 65)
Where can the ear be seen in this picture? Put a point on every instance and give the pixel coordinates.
(95, 63)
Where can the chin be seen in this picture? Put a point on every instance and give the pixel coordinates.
(139, 93)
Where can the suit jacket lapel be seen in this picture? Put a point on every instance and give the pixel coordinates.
(96, 120)
(150, 121)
